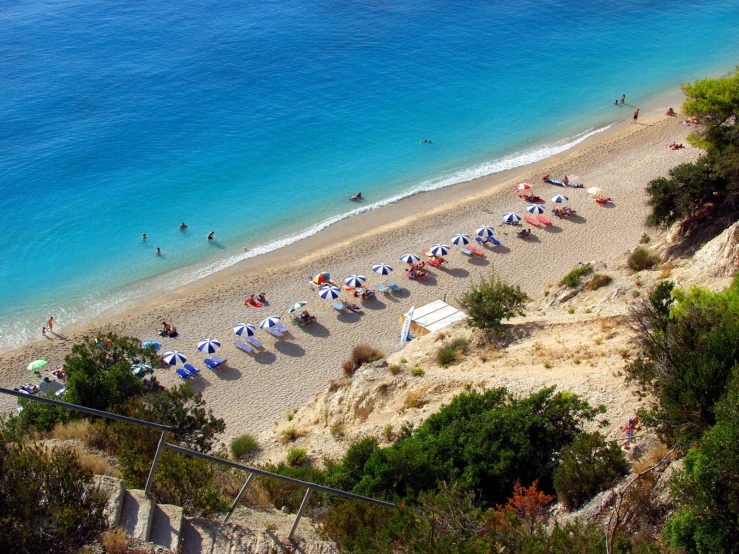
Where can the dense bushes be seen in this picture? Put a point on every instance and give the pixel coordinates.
(572, 279)
(492, 301)
(47, 500)
(642, 258)
(588, 466)
(450, 352)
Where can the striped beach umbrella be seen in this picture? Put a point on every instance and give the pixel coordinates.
(439, 249)
(245, 329)
(460, 239)
(295, 307)
(410, 258)
(510, 217)
(209, 346)
(485, 231)
(271, 321)
(559, 198)
(329, 292)
(534, 209)
(382, 269)
(355, 280)
(523, 186)
(174, 357)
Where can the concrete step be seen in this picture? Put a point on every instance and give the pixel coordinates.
(166, 526)
(205, 536)
(115, 490)
(138, 512)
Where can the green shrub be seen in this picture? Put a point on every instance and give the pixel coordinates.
(445, 356)
(364, 354)
(297, 457)
(492, 301)
(244, 446)
(589, 465)
(572, 279)
(418, 372)
(599, 280)
(645, 238)
(642, 258)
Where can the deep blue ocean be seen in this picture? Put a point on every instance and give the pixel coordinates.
(257, 119)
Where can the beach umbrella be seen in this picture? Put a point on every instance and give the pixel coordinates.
(382, 269)
(596, 191)
(510, 217)
(523, 186)
(155, 343)
(410, 258)
(439, 249)
(295, 307)
(271, 321)
(485, 231)
(460, 238)
(355, 280)
(329, 292)
(320, 278)
(36, 365)
(248, 328)
(559, 198)
(174, 357)
(534, 209)
(209, 346)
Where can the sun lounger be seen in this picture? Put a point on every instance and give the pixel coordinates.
(544, 220)
(218, 360)
(183, 374)
(338, 306)
(210, 363)
(466, 251)
(495, 241)
(530, 220)
(382, 288)
(254, 342)
(393, 286)
(273, 331)
(243, 346)
(191, 369)
(282, 328)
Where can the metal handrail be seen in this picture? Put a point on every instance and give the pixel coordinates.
(166, 429)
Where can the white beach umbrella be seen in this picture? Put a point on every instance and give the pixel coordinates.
(329, 292)
(460, 238)
(559, 198)
(209, 345)
(271, 321)
(355, 280)
(534, 209)
(439, 249)
(596, 191)
(174, 357)
(523, 186)
(510, 217)
(485, 231)
(382, 269)
(410, 258)
(295, 307)
(245, 328)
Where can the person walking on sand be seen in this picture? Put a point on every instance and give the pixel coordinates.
(623, 98)
(50, 323)
(211, 235)
(636, 115)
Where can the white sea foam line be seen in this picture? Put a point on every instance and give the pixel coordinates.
(93, 306)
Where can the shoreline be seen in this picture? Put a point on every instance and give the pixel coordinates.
(142, 292)
(255, 390)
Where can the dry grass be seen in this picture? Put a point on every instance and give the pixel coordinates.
(291, 434)
(364, 353)
(547, 363)
(413, 399)
(79, 430)
(440, 336)
(665, 271)
(394, 369)
(96, 463)
(650, 458)
(115, 541)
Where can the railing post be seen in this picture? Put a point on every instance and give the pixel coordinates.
(303, 504)
(238, 497)
(160, 448)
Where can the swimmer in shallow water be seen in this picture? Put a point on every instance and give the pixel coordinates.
(211, 235)
(144, 237)
(356, 197)
(159, 251)
(183, 226)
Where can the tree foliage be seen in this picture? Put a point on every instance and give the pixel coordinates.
(492, 301)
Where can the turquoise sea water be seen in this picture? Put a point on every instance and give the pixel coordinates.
(257, 119)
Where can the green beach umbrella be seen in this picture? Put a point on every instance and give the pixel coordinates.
(38, 364)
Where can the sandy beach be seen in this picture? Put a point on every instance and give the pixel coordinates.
(258, 389)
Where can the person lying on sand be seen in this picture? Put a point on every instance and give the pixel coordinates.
(261, 297)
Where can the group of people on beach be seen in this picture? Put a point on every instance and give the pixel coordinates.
(49, 327)
(182, 227)
(623, 101)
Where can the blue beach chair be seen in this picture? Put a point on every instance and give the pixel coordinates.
(243, 346)
(183, 374)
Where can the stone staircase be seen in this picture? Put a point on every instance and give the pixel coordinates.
(165, 526)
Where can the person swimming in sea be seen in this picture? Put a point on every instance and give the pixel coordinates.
(183, 226)
(159, 251)
(426, 141)
(144, 237)
(356, 197)
(211, 235)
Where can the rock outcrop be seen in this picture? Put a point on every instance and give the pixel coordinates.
(720, 257)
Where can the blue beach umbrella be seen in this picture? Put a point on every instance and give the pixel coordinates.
(271, 321)
(174, 357)
(382, 269)
(485, 231)
(460, 239)
(559, 198)
(534, 209)
(245, 328)
(510, 217)
(439, 249)
(209, 346)
(155, 343)
(329, 292)
(410, 258)
(355, 280)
